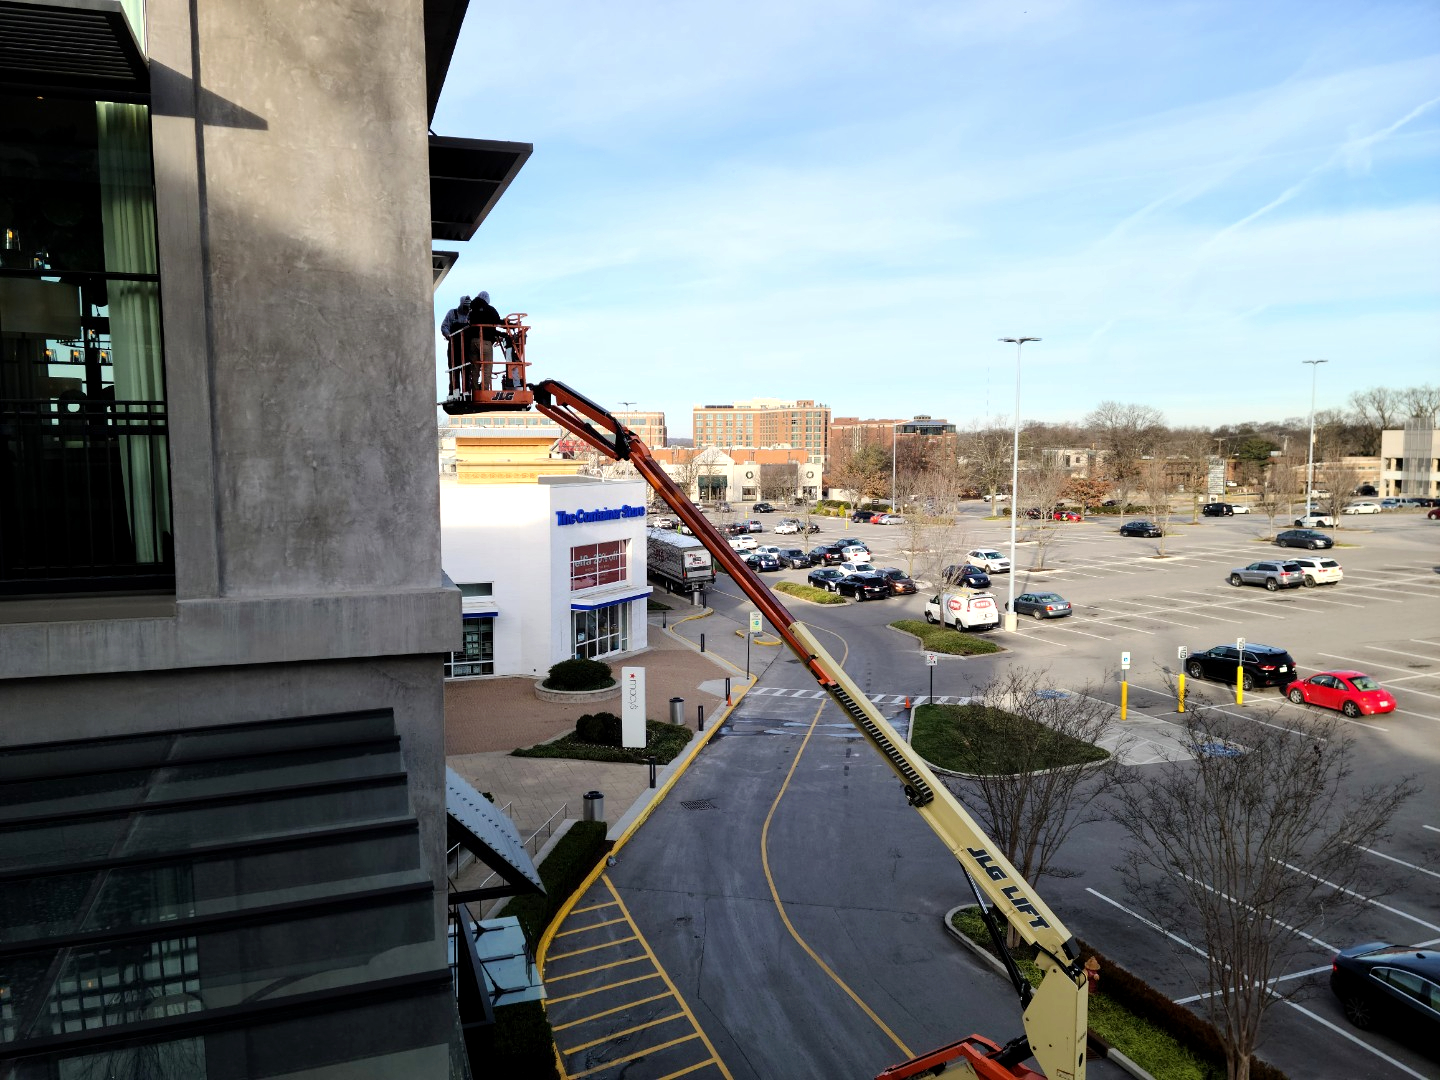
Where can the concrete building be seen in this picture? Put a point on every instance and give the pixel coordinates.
(852, 432)
(1410, 460)
(742, 474)
(650, 426)
(765, 422)
(223, 622)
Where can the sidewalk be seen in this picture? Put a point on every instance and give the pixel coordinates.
(487, 718)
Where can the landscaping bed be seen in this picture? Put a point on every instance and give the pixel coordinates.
(807, 592)
(974, 740)
(942, 639)
(663, 741)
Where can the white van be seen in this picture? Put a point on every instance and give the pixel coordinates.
(965, 610)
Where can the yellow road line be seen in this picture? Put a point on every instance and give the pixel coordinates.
(689, 1069)
(590, 971)
(685, 1007)
(600, 989)
(592, 948)
(627, 1031)
(592, 907)
(592, 926)
(607, 1012)
(637, 1054)
(775, 892)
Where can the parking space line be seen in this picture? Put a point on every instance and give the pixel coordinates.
(1361, 896)
(689, 1069)
(593, 907)
(591, 971)
(609, 1012)
(592, 926)
(601, 989)
(592, 948)
(621, 1034)
(1402, 862)
(638, 1054)
(1400, 652)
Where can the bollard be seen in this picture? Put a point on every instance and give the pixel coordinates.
(699, 717)
(593, 803)
(702, 642)
(663, 614)
(727, 690)
(651, 760)
(677, 710)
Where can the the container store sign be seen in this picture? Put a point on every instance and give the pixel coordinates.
(585, 517)
(632, 707)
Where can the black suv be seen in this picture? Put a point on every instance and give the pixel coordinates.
(826, 555)
(1304, 538)
(1217, 510)
(967, 576)
(795, 559)
(1264, 665)
(863, 586)
(763, 508)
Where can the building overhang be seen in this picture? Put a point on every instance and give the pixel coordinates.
(71, 47)
(467, 178)
(443, 19)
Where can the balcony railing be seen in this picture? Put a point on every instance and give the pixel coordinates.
(84, 496)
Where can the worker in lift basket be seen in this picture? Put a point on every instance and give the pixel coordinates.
(481, 337)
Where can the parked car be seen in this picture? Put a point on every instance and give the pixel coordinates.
(992, 562)
(1363, 506)
(1034, 513)
(1042, 605)
(1433, 515)
(763, 508)
(1367, 490)
(768, 549)
(862, 515)
(1394, 986)
(1264, 665)
(1352, 692)
(1273, 575)
(965, 576)
(866, 586)
(874, 519)
(786, 528)
(1066, 515)
(1217, 510)
(827, 554)
(664, 523)
(963, 610)
(1315, 520)
(1391, 504)
(762, 561)
(891, 519)
(850, 567)
(755, 526)
(743, 543)
(1239, 508)
(1319, 570)
(995, 498)
(900, 583)
(795, 558)
(737, 528)
(1141, 528)
(1304, 538)
(824, 578)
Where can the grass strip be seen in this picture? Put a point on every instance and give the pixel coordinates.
(662, 740)
(980, 740)
(937, 638)
(807, 592)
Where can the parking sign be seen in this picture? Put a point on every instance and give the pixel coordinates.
(1124, 661)
(1183, 652)
(754, 622)
(931, 659)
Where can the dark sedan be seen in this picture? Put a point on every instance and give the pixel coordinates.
(1393, 986)
(967, 576)
(795, 559)
(737, 528)
(864, 586)
(1042, 605)
(1304, 538)
(900, 583)
(827, 555)
(825, 578)
(1141, 528)
(762, 561)
(1265, 665)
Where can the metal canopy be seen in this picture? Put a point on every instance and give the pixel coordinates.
(467, 178)
(71, 46)
(476, 824)
(442, 30)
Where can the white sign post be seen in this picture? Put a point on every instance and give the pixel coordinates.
(632, 707)
(931, 659)
(755, 623)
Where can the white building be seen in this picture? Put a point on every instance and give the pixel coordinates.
(549, 570)
(1410, 460)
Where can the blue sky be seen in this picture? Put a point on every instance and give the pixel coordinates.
(851, 201)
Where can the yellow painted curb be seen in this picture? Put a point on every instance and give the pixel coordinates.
(759, 640)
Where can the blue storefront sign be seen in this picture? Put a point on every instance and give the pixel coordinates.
(585, 517)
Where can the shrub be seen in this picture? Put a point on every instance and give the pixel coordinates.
(519, 1043)
(938, 638)
(663, 741)
(600, 729)
(579, 674)
(807, 592)
(569, 861)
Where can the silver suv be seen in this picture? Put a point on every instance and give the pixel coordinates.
(1273, 575)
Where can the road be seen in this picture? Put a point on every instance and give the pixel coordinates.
(867, 974)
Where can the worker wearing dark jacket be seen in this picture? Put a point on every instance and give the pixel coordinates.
(482, 314)
(455, 318)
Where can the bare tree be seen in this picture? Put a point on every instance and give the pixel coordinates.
(1420, 403)
(1126, 434)
(1281, 481)
(1249, 845)
(1041, 488)
(779, 481)
(863, 469)
(1028, 807)
(1157, 486)
(986, 454)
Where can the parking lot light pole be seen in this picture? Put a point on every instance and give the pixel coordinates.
(1310, 449)
(1011, 619)
(894, 455)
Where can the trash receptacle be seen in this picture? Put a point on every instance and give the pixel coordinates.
(677, 710)
(594, 802)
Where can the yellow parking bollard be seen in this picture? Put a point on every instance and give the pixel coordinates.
(1182, 692)
(1124, 697)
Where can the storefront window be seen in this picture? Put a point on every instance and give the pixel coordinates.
(601, 632)
(599, 564)
(477, 650)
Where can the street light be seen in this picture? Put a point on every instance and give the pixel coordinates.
(1011, 619)
(894, 453)
(1310, 449)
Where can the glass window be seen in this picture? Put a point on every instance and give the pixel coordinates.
(478, 589)
(599, 564)
(477, 650)
(601, 632)
(84, 460)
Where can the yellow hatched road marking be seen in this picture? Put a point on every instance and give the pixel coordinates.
(687, 1071)
(582, 929)
(607, 1012)
(601, 989)
(627, 1031)
(591, 948)
(592, 907)
(641, 1053)
(588, 971)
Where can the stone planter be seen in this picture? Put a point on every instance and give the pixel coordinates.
(577, 697)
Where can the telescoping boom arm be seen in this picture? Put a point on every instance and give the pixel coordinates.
(1055, 1015)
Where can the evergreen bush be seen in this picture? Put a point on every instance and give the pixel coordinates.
(598, 729)
(579, 674)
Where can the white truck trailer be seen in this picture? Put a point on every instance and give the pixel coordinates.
(682, 562)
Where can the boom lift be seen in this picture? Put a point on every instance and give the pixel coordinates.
(1054, 1012)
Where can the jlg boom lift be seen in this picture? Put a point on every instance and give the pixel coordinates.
(1055, 1011)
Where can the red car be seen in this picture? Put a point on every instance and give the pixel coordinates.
(1352, 692)
(875, 518)
(1067, 515)
(1434, 515)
